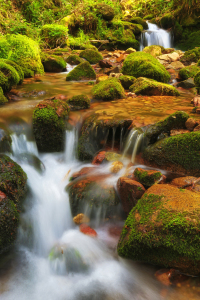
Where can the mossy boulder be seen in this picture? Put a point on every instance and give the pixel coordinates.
(92, 56)
(167, 21)
(16, 67)
(106, 11)
(81, 72)
(147, 177)
(53, 63)
(11, 77)
(154, 50)
(197, 81)
(174, 121)
(3, 99)
(140, 21)
(5, 140)
(191, 56)
(23, 51)
(108, 90)
(91, 193)
(79, 102)
(189, 71)
(12, 192)
(180, 153)
(74, 59)
(162, 229)
(49, 125)
(150, 87)
(126, 81)
(140, 64)
(54, 35)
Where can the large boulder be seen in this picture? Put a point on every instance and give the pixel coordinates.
(53, 63)
(163, 229)
(12, 192)
(79, 102)
(92, 56)
(94, 195)
(180, 153)
(49, 125)
(150, 87)
(189, 71)
(108, 90)
(191, 56)
(74, 59)
(82, 71)
(22, 50)
(140, 64)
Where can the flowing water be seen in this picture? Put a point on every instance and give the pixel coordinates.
(155, 36)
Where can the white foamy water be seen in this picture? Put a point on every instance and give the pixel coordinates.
(54, 260)
(155, 36)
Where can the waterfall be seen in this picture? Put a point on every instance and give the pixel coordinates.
(133, 143)
(155, 36)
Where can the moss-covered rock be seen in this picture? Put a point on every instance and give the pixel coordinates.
(180, 153)
(188, 72)
(74, 59)
(174, 121)
(53, 63)
(108, 90)
(49, 125)
(162, 229)
(150, 87)
(23, 51)
(92, 56)
(12, 192)
(147, 177)
(106, 11)
(191, 56)
(92, 194)
(82, 71)
(140, 64)
(154, 50)
(11, 75)
(54, 35)
(3, 99)
(126, 81)
(167, 21)
(17, 68)
(5, 140)
(197, 81)
(79, 102)
(138, 20)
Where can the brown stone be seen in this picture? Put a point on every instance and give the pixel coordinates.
(87, 230)
(196, 101)
(81, 218)
(116, 166)
(129, 191)
(197, 128)
(84, 171)
(170, 277)
(174, 132)
(99, 158)
(105, 63)
(182, 182)
(190, 124)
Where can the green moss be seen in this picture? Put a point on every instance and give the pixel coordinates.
(17, 68)
(191, 56)
(174, 121)
(11, 74)
(79, 102)
(74, 59)
(53, 63)
(167, 21)
(106, 11)
(145, 86)
(91, 56)
(197, 81)
(126, 81)
(54, 35)
(140, 64)
(189, 71)
(3, 99)
(82, 71)
(108, 90)
(49, 125)
(23, 51)
(153, 50)
(27, 73)
(138, 20)
(147, 178)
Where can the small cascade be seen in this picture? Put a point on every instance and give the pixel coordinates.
(71, 145)
(155, 36)
(20, 145)
(133, 143)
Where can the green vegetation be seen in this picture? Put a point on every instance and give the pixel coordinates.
(140, 64)
(54, 35)
(82, 71)
(197, 81)
(3, 99)
(189, 71)
(108, 90)
(11, 76)
(92, 56)
(79, 102)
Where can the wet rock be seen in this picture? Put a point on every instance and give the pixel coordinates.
(116, 166)
(147, 177)
(129, 191)
(12, 192)
(105, 64)
(113, 70)
(186, 84)
(162, 229)
(49, 125)
(87, 230)
(99, 158)
(176, 65)
(153, 50)
(5, 141)
(81, 218)
(196, 101)
(190, 124)
(183, 182)
(93, 194)
(130, 50)
(32, 160)
(169, 57)
(170, 277)
(174, 132)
